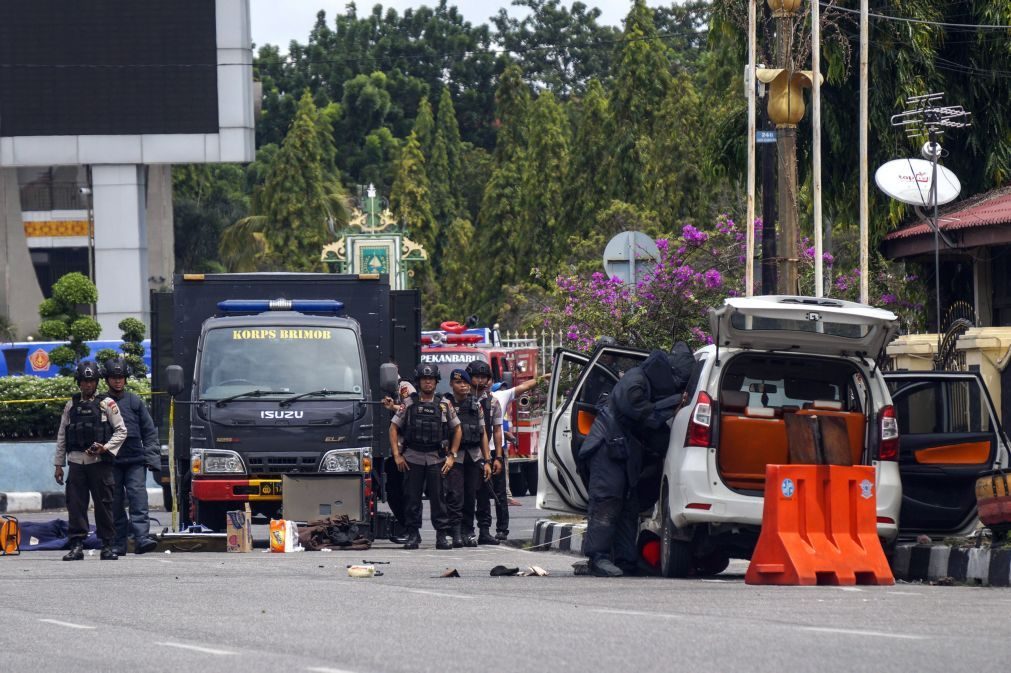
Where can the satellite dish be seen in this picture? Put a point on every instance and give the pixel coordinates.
(629, 255)
(908, 180)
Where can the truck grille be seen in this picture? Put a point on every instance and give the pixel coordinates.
(266, 464)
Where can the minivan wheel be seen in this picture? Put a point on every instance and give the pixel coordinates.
(675, 555)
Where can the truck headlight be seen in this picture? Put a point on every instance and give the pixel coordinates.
(358, 459)
(216, 461)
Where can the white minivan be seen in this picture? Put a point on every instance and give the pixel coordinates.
(929, 435)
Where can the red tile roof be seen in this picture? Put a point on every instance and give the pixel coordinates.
(983, 210)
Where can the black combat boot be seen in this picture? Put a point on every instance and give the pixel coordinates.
(443, 540)
(469, 540)
(413, 539)
(108, 554)
(485, 537)
(502, 535)
(76, 552)
(457, 537)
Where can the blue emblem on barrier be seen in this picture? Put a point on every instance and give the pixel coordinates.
(866, 489)
(787, 488)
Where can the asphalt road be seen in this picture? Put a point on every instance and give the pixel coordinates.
(301, 612)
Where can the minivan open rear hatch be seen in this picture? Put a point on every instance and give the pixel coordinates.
(803, 324)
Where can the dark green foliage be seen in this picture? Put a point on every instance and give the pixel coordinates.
(62, 320)
(208, 198)
(559, 48)
(133, 345)
(41, 420)
(294, 207)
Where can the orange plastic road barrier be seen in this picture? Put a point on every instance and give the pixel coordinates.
(819, 526)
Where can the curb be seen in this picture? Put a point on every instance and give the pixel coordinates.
(980, 567)
(554, 536)
(910, 562)
(26, 502)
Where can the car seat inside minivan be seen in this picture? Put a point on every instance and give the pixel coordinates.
(758, 392)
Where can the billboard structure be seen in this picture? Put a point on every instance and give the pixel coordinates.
(120, 85)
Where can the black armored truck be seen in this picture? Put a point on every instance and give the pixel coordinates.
(276, 378)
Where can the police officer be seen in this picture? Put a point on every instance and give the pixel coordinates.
(139, 453)
(495, 488)
(428, 423)
(91, 432)
(392, 478)
(473, 468)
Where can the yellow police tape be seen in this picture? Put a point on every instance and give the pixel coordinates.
(66, 399)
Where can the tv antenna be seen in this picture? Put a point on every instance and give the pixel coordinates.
(926, 117)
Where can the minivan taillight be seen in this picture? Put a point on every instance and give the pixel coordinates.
(888, 439)
(700, 431)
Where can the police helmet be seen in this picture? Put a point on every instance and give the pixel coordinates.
(117, 367)
(604, 342)
(478, 368)
(427, 371)
(87, 371)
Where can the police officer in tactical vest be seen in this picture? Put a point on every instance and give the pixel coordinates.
(91, 433)
(474, 464)
(429, 423)
(139, 453)
(494, 488)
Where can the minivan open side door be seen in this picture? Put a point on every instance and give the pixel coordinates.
(949, 435)
(577, 383)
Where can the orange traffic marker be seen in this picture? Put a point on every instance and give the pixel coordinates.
(819, 526)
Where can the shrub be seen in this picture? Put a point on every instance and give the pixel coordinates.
(62, 322)
(41, 420)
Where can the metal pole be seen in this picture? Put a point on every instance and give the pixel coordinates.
(749, 255)
(937, 240)
(864, 173)
(769, 261)
(819, 281)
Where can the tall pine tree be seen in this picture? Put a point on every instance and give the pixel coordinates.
(544, 173)
(588, 187)
(641, 82)
(299, 199)
(502, 205)
(424, 127)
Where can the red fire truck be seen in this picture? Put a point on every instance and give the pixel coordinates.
(453, 347)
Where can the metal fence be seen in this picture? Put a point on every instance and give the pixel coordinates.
(545, 341)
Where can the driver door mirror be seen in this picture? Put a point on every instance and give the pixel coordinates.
(174, 380)
(389, 379)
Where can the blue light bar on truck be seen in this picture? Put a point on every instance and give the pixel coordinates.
(261, 305)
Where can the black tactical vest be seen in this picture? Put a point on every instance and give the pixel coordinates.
(423, 429)
(470, 420)
(488, 420)
(87, 424)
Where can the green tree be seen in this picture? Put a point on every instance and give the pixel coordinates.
(455, 293)
(206, 199)
(502, 204)
(673, 179)
(544, 172)
(132, 347)
(410, 199)
(559, 48)
(293, 208)
(424, 127)
(587, 186)
(642, 79)
(61, 320)
(445, 123)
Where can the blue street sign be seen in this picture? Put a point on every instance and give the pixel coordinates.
(765, 136)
